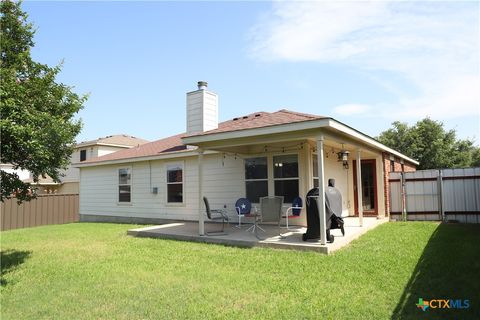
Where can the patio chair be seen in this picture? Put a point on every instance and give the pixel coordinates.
(243, 208)
(220, 215)
(270, 211)
(293, 211)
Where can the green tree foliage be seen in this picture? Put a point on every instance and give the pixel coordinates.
(429, 143)
(37, 122)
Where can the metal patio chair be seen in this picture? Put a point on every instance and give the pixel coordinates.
(220, 214)
(293, 211)
(270, 211)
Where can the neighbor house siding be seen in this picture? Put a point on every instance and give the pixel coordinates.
(69, 188)
(103, 150)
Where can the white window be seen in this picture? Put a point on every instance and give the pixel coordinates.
(124, 184)
(256, 178)
(175, 183)
(285, 176)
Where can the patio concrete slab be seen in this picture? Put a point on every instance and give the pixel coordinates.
(240, 237)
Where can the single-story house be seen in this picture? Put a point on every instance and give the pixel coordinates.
(261, 154)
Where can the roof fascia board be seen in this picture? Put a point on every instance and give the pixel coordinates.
(115, 145)
(139, 159)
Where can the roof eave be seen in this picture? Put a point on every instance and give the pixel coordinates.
(105, 144)
(162, 156)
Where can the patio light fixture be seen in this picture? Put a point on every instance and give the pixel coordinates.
(343, 156)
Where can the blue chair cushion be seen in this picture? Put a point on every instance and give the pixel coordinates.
(297, 202)
(244, 206)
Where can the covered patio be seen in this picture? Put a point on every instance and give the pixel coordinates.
(316, 145)
(240, 237)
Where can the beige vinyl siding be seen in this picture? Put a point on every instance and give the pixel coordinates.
(223, 182)
(69, 188)
(103, 150)
(343, 180)
(222, 185)
(72, 174)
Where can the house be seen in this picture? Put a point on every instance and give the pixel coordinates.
(264, 153)
(92, 149)
(10, 168)
(82, 152)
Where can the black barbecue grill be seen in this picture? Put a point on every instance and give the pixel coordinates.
(333, 212)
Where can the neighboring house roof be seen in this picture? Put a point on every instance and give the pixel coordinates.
(170, 144)
(42, 181)
(120, 140)
(257, 120)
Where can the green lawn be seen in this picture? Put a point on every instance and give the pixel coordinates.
(96, 271)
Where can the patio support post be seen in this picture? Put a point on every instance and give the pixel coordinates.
(359, 188)
(201, 226)
(321, 192)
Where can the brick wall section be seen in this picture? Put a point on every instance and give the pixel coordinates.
(407, 167)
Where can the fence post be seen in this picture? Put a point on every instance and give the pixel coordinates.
(440, 196)
(403, 193)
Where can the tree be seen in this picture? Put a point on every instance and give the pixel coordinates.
(429, 143)
(37, 122)
(476, 158)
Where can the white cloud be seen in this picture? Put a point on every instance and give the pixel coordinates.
(351, 109)
(434, 45)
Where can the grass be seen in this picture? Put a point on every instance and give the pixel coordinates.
(96, 271)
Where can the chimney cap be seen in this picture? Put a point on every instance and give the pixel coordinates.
(202, 85)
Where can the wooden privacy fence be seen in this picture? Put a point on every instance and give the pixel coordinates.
(44, 210)
(446, 195)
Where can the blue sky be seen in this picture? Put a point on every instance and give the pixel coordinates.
(366, 64)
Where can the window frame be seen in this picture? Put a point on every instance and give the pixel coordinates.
(84, 151)
(127, 203)
(285, 179)
(168, 165)
(314, 158)
(267, 180)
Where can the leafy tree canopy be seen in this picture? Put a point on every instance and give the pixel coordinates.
(428, 142)
(37, 122)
